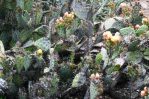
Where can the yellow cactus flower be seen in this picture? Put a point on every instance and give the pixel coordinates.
(39, 52)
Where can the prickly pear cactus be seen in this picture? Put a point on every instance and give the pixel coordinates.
(127, 31)
(114, 23)
(142, 30)
(93, 91)
(46, 87)
(19, 63)
(96, 89)
(61, 32)
(43, 43)
(27, 62)
(146, 54)
(98, 58)
(79, 80)
(65, 73)
(136, 18)
(51, 66)
(81, 10)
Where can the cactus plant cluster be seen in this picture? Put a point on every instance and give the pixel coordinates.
(73, 49)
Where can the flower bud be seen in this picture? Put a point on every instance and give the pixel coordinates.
(51, 50)
(60, 42)
(72, 16)
(123, 5)
(145, 21)
(57, 20)
(143, 93)
(61, 19)
(69, 15)
(66, 14)
(146, 89)
(97, 76)
(141, 13)
(72, 13)
(92, 77)
(107, 35)
(137, 26)
(116, 39)
(117, 34)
